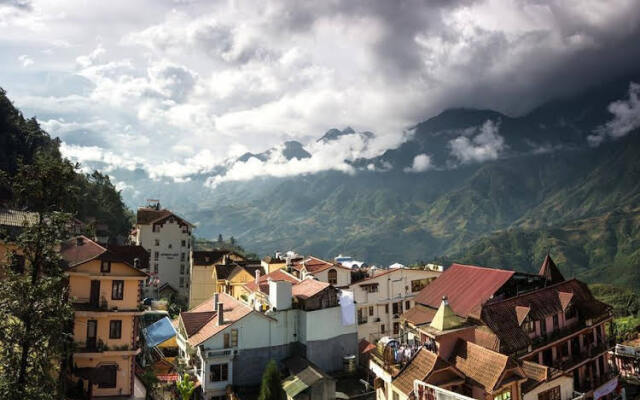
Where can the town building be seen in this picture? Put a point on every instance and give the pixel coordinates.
(271, 264)
(324, 271)
(551, 328)
(625, 358)
(381, 300)
(227, 341)
(167, 238)
(105, 293)
(213, 271)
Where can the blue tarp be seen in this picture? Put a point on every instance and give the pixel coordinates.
(159, 332)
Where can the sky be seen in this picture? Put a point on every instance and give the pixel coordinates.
(180, 87)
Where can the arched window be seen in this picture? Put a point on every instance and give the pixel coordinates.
(333, 277)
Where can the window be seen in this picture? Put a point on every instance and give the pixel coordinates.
(362, 316)
(407, 304)
(556, 323)
(529, 325)
(372, 288)
(506, 395)
(564, 349)
(181, 281)
(181, 256)
(234, 338)
(570, 312)
(156, 255)
(218, 372)
(157, 242)
(551, 394)
(183, 243)
(17, 263)
(371, 311)
(386, 308)
(115, 329)
(396, 396)
(397, 308)
(382, 328)
(109, 375)
(185, 229)
(105, 266)
(155, 268)
(227, 340)
(117, 290)
(543, 326)
(181, 269)
(170, 246)
(396, 328)
(333, 277)
(419, 284)
(187, 271)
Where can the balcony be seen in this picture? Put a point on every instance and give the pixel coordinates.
(540, 341)
(102, 305)
(591, 352)
(98, 346)
(589, 385)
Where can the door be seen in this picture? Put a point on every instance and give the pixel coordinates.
(92, 330)
(94, 295)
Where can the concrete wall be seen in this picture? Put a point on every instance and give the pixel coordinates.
(80, 290)
(344, 276)
(202, 284)
(103, 321)
(566, 388)
(392, 287)
(123, 378)
(327, 354)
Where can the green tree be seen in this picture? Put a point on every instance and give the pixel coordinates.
(271, 387)
(185, 387)
(34, 313)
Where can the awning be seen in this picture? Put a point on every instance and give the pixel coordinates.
(159, 332)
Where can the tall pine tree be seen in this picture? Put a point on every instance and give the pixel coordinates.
(271, 388)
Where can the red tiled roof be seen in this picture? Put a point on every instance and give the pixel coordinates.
(466, 287)
(501, 316)
(421, 366)
(419, 315)
(75, 254)
(194, 321)
(277, 275)
(314, 265)
(234, 310)
(550, 270)
(129, 253)
(146, 216)
(308, 288)
(481, 365)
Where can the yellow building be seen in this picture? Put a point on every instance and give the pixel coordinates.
(271, 264)
(218, 271)
(105, 292)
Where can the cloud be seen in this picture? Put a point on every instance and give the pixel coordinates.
(19, 4)
(421, 163)
(173, 79)
(486, 144)
(626, 118)
(25, 60)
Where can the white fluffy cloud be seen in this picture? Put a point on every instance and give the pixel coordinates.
(25, 60)
(480, 144)
(626, 117)
(421, 163)
(177, 79)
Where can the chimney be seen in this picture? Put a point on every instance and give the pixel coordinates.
(215, 301)
(257, 276)
(220, 314)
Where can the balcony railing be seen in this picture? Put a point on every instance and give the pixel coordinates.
(545, 339)
(98, 346)
(590, 352)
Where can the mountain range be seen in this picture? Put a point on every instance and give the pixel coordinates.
(473, 186)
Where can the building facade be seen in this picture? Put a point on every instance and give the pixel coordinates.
(105, 294)
(229, 342)
(167, 237)
(324, 271)
(382, 299)
(204, 275)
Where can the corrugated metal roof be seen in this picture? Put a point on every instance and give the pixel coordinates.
(466, 287)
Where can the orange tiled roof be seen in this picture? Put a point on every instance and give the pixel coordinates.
(75, 254)
(234, 310)
(308, 288)
(421, 366)
(263, 286)
(481, 365)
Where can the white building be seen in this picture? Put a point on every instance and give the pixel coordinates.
(382, 298)
(226, 342)
(167, 238)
